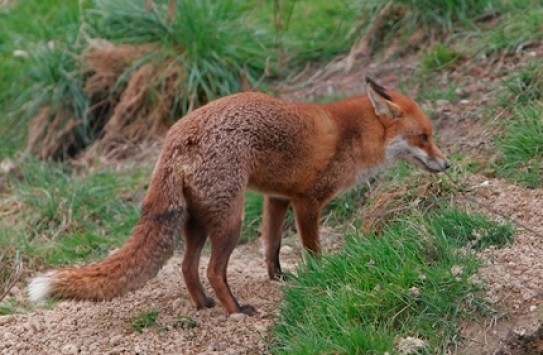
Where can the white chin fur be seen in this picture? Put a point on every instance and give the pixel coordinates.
(40, 287)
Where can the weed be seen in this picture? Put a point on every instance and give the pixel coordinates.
(53, 21)
(145, 320)
(213, 41)
(521, 147)
(405, 24)
(474, 230)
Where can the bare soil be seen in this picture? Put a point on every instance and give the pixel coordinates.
(106, 328)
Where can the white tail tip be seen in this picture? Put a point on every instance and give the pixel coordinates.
(40, 287)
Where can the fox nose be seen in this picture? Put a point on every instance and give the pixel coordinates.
(447, 164)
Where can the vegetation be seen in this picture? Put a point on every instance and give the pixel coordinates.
(146, 320)
(59, 217)
(85, 77)
(521, 147)
(410, 280)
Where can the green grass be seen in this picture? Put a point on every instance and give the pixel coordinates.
(521, 147)
(146, 320)
(303, 31)
(51, 21)
(59, 217)
(411, 280)
(214, 42)
(252, 216)
(440, 57)
(523, 86)
(520, 22)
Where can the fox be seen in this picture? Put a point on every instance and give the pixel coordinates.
(295, 154)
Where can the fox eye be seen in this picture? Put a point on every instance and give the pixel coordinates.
(424, 138)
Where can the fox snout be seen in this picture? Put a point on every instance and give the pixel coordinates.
(434, 163)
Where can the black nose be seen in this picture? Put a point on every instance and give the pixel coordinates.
(447, 164)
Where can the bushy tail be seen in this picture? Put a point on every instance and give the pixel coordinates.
(152, 243)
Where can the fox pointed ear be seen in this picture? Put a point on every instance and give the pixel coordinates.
(381, 101)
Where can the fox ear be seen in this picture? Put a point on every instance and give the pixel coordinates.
(381, 101)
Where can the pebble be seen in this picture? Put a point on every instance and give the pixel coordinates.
(115, 340)
(238, 317)
(6, 319)
(69, 349)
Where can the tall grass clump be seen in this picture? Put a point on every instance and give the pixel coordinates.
(23, 45)
(411, 280)
(55, 104)
(214, 42)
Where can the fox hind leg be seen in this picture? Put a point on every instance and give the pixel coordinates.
(195, 238)
(224, 238)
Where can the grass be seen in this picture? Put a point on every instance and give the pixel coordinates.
(146, 320)
(521, 147)
(519, 23)
(51, 21)
(411, 280)
(441, 57)
(214, 41)
(523, 86)
(57, 217)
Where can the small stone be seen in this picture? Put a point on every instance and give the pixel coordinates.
(6, 319)
(69, 349)
(410, 345)
(464, 102)
(115, 340)
(238, 317)
(287, 250)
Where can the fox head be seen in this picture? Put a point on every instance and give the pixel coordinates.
(408, 130)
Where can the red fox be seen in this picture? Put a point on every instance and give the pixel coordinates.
(295, 154)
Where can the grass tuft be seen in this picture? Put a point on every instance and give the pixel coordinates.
(441, 57)
(411, 280)
(521, 147)
(213, 41)
(524, 86)
(145, 320)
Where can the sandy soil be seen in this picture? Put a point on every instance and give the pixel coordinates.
(513, 275)
(105, 328)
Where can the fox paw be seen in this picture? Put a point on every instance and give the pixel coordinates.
(208, 303)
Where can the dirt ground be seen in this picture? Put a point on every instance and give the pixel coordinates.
(513, 275)
(106, 328)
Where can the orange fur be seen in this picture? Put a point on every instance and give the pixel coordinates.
(299, 154)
